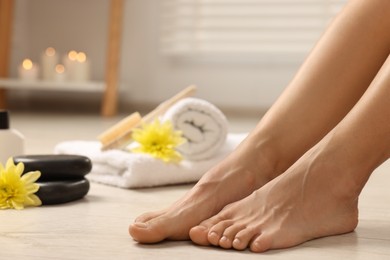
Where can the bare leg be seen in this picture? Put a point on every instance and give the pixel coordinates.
(318, 195)
(330, 82)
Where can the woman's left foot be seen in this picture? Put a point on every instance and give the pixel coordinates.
(314, 198)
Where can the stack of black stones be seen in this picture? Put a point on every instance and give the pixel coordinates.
(62, 176)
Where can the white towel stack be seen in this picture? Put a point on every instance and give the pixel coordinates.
(203, 125)
(130, 170)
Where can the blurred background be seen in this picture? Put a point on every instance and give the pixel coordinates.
(240, 53)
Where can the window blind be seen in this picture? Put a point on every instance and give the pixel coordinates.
(238, 27)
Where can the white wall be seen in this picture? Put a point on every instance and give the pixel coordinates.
(146, 75)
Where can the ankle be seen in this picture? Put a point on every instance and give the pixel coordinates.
(347, 178)
(278, 151)
(269, 162)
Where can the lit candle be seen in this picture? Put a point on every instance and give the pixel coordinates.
(82, 67)
(28, 71)
(69, 63)
(60, 74)
(72, 55)
(49, 59)
(81, 57)
(78, 67)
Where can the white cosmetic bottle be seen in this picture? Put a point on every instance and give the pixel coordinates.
(11, 140)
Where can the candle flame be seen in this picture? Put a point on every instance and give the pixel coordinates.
(72, 55)
(81, 57)
(60, 68)
(27, 64)
(50, 51)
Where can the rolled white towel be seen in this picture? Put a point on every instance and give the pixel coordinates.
(203, 125)
(133, 170)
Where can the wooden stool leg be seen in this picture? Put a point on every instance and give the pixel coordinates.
(110, 98)
(6, 15)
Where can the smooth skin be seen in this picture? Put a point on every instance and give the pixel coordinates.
(323, 186)
(326, 134)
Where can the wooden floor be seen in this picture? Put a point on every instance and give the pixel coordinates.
(96, 227)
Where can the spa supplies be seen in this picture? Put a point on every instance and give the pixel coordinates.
(28, 71)
(49, 60)
(57, 192)
(120, 134)
(56, 167)
(11, 140)
(62, 176)
(123, 130)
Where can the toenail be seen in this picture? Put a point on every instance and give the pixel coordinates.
(236, 242)
(213, 234)
(140, 225)
(255, 246)
(224, 239)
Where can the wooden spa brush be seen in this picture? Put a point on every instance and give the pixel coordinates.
(119, 135)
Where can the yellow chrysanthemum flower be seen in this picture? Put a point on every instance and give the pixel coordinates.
(17, 191)
(159, 140)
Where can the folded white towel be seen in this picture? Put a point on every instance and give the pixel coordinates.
(203, 125)
(133, 170)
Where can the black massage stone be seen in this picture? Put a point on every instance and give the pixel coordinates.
(57, 192)
(56, 167)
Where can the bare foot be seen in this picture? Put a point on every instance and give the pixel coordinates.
(235, 178)
(314, 198)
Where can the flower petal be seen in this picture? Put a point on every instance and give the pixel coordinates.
(17, 205)
(19, 169)
(32, 188)
(33, 200)
(31, 177)
(10, 163)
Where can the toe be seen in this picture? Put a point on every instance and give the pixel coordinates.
(225, 242)
(138, 231)
(243, 237)
(143, 233)
(261, 243)
(198, 235)
(216, 232)
(152, 231)
(238, 244)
